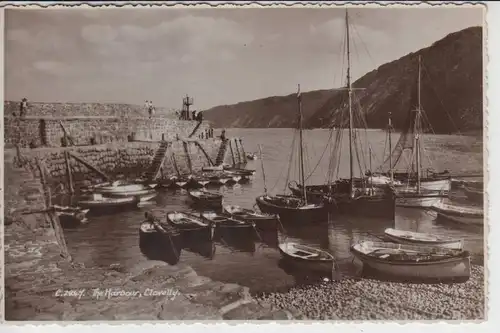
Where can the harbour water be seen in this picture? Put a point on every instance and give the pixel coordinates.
(114, 239)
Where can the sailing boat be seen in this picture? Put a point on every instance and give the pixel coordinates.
(407, 194)
(352, 195)
(411, 139)
(288, 207)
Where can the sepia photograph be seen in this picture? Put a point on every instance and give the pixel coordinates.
(237, 163)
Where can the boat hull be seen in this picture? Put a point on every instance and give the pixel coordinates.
(442, 185)
(287, 214)
(449, 244)
(479, 221)
(316, 266)
(369, 206)
(416, 200)
(457, 269)
(471, 216)
(158, 246)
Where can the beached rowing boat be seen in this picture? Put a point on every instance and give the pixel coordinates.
(413, 262)
(306, 257)
(460, 214)
(422, 239)
(191, 225)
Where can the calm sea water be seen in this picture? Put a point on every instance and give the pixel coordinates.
(114, 239)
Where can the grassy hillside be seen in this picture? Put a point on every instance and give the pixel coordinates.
(451, 87)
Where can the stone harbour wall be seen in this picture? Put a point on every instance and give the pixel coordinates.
(122, 160)
(83, 109)
(48, 132)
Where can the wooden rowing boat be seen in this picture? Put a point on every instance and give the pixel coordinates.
(158, 241)
(123, 188)
(206, 198)
(191, 225)
(222, 220)
(460, 214)
(262, 221)
(306, 257)
(413, 262)
(422, 239)
(98, 201)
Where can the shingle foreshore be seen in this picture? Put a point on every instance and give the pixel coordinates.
(368, 299)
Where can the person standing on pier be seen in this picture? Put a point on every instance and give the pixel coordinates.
(23, 107)
(194, 114)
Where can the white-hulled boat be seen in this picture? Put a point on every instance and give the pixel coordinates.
(123, 188)
(412, 199)
(413, 262)
(97, 200)
(306, 257)
(213, 168)
(460, 214)
(422, 239)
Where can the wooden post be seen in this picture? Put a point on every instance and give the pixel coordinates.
(90, 166)
(69, 173)
(210, 162)
(51, 214)
(176, 167)
(232, 153)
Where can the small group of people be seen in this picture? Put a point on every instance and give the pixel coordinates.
(151, 109)
(23, 108)
(185, 115)
(207, 134)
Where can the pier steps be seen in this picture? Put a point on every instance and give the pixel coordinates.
(157, 161)
(222, 152)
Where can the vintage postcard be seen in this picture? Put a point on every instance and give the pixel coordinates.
(272, 162)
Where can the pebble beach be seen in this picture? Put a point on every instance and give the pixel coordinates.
(368, 299)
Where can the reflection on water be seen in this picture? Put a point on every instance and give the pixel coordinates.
(254, 261)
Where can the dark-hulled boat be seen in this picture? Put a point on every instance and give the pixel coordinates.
(292, 209)
(159, 241)
(71, 217)
(262, 221)
(355, 195)
(202, 198)
(191, 225)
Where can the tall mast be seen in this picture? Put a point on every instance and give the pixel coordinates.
(349, 87)
(417, 129)
(301, 150)
(389, 130)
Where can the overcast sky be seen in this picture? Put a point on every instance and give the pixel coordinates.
(219, 56)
